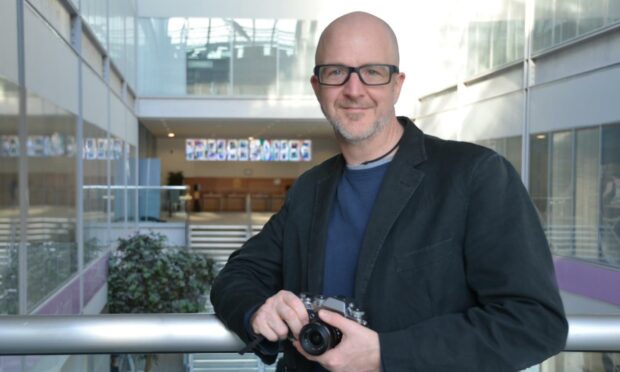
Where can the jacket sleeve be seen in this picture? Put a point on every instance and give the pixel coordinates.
(518, 319)
(252, 274)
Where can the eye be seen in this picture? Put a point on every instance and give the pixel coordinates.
(334, 71)
(374, 71)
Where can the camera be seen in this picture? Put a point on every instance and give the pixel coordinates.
(317, 337)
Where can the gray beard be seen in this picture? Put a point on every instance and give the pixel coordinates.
(342, 132)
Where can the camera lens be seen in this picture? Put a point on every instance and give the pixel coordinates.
(316, 338)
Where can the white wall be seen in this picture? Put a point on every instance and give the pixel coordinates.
(493, 118)
(95, 92)
(601, 51)
(225, 108)
(51, 65)
(584, 100)
(8, 40)
(487, 108)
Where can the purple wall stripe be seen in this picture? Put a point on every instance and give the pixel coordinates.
(588, 279)
(67, 301)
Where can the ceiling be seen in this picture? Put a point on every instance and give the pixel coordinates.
(228, 128)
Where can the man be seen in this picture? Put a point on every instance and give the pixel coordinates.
(437, 241)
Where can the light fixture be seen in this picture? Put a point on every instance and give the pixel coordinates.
(541, 136)
(171, 134)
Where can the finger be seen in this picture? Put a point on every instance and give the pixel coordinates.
(269, 325)
(268, 334)
(297, 305)
(292, 319)
(335, 319)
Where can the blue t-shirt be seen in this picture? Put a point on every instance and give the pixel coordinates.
(354, 200)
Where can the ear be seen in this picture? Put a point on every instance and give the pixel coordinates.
(399, 80)
(315, 85)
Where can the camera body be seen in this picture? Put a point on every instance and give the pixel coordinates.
(317, 337)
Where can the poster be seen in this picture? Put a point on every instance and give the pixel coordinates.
(189, 149)
(232, 150)
(212, 149)
(293, 151)
(200, 148)
(306, 150)
(243, 150)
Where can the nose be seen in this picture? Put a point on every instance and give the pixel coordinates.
(354, 86)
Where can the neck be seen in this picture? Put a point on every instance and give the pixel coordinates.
(375, 148)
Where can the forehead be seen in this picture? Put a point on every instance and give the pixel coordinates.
(356, 43)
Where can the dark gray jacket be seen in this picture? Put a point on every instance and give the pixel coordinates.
(455, 273)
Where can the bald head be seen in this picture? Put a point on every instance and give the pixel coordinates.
(358, 30)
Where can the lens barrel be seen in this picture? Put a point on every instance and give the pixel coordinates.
(317, 337)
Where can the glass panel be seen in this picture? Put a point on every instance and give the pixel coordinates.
(543, 25)
(95, 194)
(52, 251)
(9, 197)
(208, 50)
(586, 194)
(500, 43)
(95, 14)
(591, 15)
(560, 231)
(495, 35)
(296, 43)
(118, 172)
(515, 31)
(130, 45)
(483, 48)
(604, 362)
(222, 56)
(614, 11)
(566, 15)
(255, 57)
(539, 174)
(117, 33)
(161, 53)
(132, 194)
(610, 195)
(509, 147)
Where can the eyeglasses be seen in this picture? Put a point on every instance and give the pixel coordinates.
(336, 75)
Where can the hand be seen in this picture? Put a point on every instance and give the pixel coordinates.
(281, 312)
(358, 351)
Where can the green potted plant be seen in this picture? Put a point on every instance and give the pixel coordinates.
(145, 276)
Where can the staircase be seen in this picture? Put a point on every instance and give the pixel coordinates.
(219, 241)
(225, 362)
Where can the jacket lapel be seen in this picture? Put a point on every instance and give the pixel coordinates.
(399, 184)
(324, 195)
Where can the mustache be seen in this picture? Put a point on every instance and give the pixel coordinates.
(354, 105)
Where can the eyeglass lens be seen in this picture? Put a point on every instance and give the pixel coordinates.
(369, 74)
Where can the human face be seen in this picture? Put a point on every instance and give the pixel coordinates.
(356, 111)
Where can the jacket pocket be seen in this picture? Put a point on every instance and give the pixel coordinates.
(426, 256)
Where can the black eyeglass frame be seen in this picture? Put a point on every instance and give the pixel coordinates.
(393, 70)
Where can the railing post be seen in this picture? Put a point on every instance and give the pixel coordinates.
(248, 212)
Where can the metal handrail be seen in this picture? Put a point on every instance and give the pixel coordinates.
(190, 333)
